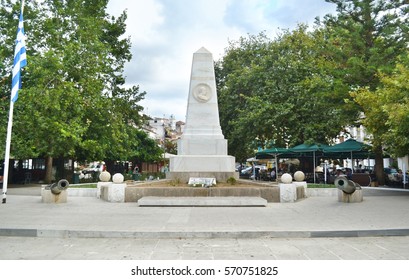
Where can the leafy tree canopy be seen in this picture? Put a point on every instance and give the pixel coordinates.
(387, 109)
(73, 102)
(280, 91)
(368, 37)
(296, 87)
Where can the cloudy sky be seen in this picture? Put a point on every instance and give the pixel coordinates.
(166, 33)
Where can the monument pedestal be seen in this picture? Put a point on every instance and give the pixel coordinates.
(185, 166)
(48, 197)
(202, 146)
(100, 185)
(113, 192)
(302, 184)
(288, 192)
(356, 196)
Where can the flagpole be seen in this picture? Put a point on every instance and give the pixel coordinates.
(8, 138)
(7, 155)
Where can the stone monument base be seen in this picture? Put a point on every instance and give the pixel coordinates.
(48, 197)
(182, 167)
(302, 184)
(113, 192)
(356, 196)
(288, 192)
(100, 185)
(183, 177)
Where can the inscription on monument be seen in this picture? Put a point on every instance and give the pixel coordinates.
(205, 182)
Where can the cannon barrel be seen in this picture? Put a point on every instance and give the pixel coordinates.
(345, 185)
(58, 187)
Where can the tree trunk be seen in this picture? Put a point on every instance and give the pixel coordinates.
(48, 170)
(380, 174)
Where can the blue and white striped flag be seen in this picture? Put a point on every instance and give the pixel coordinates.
(20, 59)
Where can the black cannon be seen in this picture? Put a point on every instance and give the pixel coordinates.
(57, 188)
(345, 185)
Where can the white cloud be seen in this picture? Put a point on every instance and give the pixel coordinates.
(166, 33)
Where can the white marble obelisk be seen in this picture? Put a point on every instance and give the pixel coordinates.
(202, 149)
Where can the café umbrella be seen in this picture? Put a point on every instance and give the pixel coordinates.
(349, 149)
(307, 149)
(273, 152)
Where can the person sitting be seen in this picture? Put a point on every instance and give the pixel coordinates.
(273, 174)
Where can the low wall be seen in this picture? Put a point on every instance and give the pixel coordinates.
(271, 194)
(325, 192)
(82, 192)
(134, 193)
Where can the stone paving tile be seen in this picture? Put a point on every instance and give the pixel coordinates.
(197, 256)
(394, 245)
(345, 251)
(166, 256)
(313, 214)
(365, 248)
(374, 250)
(228, 256)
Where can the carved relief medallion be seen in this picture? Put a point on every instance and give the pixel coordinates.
(202, 93)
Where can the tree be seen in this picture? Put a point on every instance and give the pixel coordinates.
(170, 146)
(280, 91)
(73, 98)
(367, 37)
(388, 109)
(233, 84)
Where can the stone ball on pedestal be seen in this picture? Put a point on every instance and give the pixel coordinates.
(118, 178)
(286, 178)
(299, 176)
(105, 176)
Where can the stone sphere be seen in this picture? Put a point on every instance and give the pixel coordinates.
(299, 176)
(286, 178)
(105, 176)
(118, 178)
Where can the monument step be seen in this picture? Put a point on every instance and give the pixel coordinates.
(208, 201)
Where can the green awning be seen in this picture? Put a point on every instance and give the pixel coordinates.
(309, 150)
(348, 149)
(273, 152)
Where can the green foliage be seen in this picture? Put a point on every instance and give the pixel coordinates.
(387, 109)
(367, 37)
(395, 93)
(231, 181)
(82, 186)
(73, 103)
(144, 148)
(155, 175)
(279, 91)
(175, 182)
(296, 87)
(321, 186)
(170, 146)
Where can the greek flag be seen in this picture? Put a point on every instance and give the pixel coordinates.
(20, 59)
